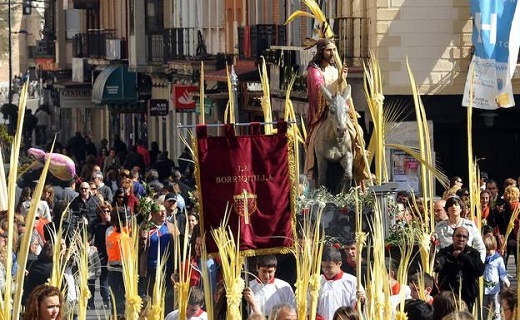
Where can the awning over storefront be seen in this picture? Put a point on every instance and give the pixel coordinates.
(115, 85)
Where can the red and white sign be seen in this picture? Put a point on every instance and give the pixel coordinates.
(182, 97)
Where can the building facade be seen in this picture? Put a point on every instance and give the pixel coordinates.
(140, 57)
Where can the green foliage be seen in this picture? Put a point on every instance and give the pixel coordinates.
(403, 232)
(341, 200)
(146, 206)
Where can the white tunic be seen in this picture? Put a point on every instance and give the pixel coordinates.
(335, 294)
(270, 294)
(174, 315)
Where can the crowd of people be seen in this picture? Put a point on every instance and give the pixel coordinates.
(117, 186)
(105, 196)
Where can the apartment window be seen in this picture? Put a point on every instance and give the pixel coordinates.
(154, 15)
(207, 16)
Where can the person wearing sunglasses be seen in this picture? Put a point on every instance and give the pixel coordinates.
(85, 205)
(97, 234)
(459, 267)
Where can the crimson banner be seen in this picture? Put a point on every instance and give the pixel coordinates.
(251, 174)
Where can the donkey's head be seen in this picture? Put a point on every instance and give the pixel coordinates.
(338, 108)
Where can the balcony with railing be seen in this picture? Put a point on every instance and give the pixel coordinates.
(352, 39)
(98, 43)
(171, 44)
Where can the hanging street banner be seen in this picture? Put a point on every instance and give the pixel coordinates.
(496, 38)
(251, 175)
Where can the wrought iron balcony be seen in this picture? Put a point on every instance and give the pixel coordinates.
(93, 44)
(179, 43)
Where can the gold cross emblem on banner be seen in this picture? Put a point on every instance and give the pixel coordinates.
(245, 204)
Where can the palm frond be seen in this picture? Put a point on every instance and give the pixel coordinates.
(298, 14)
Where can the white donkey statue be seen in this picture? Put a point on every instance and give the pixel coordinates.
(333, 143)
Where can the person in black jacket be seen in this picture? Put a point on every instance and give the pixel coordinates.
(459, 266)
(97, 231)
(84, 205)
(39, 272)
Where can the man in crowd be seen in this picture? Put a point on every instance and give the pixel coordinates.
(84, 205)
(459, 266)
(439, 211)
(68, 193)
(104, 190)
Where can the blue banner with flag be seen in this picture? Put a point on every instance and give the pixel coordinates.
(496, 38)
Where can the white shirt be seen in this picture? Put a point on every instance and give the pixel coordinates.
(405, 293)
(174, 315)
(335, 294)
(270, 294)
(445, 235)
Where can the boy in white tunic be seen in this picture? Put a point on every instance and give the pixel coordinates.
(337, 289)
(267, 291)
(194, 310)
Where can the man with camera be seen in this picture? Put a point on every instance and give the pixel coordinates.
(84, 205)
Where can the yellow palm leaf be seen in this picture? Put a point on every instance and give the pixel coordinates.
(316, 11)
(297, 14)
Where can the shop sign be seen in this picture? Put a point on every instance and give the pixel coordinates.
(158, 107)
(183, 97)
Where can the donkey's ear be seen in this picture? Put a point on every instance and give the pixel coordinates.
(326, 93)
(347, 92)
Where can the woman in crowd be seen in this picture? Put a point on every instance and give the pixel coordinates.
(193, 220)
(485, 200)
(25, 195)
(48, 196)
(121, 202)
(98, 232)
(131, 200)
(512, 195)
(45, 303)
(444, 229)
